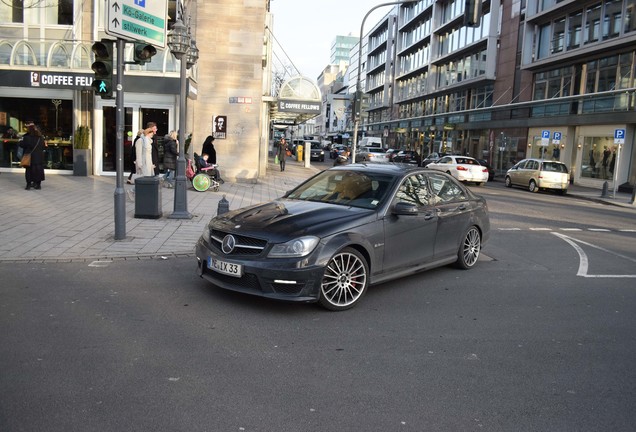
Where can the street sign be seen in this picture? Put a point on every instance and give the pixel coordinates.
(556, 138)
(619, 136)
(138, 20)
(545, 137)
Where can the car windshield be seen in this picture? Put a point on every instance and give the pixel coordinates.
(350, 188)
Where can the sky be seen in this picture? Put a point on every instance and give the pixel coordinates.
(306, 28)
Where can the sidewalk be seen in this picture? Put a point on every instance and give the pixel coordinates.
(73, 218)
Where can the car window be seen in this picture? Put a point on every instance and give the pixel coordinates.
(445, 159)
(414, 189)
(554, 167)
(445, 189)
(466, 161)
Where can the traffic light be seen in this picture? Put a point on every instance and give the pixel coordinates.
(103, 68)
(472, 13)
(143, 53)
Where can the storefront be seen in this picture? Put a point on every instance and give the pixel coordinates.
(592, 153)
(60, 102)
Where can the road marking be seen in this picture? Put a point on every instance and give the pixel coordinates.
(540, 229)
(571, 229)
(599, 229)
(583, 261)
(100, 264)
(509, 229)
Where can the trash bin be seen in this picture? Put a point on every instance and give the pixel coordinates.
(148, 198)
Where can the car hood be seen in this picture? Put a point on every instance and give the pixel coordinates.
(285, 219)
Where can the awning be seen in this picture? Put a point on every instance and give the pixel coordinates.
(299, 100)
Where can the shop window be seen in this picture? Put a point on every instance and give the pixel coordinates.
(598, 158)
(59, 56)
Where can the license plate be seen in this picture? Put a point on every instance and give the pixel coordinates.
(224, 267)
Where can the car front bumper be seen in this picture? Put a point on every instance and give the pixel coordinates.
(281, 279)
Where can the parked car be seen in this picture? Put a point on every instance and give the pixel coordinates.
(538, 174)
(407, 156)
(317, 150)
(390, 154)
(463, 168)
(371, 154)
(432, 157)
(343, 230)
(491, 171)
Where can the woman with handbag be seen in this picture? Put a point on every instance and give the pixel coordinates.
(33, 144)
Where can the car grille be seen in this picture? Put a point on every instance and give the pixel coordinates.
(248, 281)
(244, 245)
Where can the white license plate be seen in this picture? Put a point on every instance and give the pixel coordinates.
(224, 267)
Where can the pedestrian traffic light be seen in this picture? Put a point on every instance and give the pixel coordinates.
(143, 53)
(103, 68)
(472, 13)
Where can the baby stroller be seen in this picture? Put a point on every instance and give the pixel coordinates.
(202, 178)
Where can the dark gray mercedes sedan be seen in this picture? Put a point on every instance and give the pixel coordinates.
(343, 230)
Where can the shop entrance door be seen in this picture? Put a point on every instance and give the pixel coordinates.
(109, 138)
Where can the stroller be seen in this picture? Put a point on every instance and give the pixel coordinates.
(202, 178)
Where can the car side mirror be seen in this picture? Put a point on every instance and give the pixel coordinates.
(405, 208)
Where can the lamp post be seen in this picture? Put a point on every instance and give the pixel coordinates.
(183, 47)
(358, 96)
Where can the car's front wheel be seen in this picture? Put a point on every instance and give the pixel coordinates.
(469, 249)
(508, 181)
(345, 280)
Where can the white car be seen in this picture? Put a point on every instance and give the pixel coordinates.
(463, 168)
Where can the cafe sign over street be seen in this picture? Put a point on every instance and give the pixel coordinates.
(138, 20)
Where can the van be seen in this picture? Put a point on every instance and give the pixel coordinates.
(370, 142)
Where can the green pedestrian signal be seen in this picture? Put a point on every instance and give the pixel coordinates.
(103, 68)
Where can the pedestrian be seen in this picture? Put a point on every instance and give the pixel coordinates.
(33, 143)
(208, 149)
(144, 162)
(170, 152)
(282, 153)
(155, 146)
(133, 156)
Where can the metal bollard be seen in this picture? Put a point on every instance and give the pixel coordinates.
(604, 191)
(223, 207)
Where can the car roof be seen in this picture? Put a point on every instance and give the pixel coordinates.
(386, 168)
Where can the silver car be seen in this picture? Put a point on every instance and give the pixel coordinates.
(538, 174)
(372, 154)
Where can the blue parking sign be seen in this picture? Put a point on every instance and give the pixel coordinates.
(619, 133)
(545, 134)
(557, 136)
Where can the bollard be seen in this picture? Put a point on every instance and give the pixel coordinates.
(223, 207)
(604, 191)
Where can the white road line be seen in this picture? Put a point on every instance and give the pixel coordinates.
(540, 229)
(599, 229)
(571, 229)
(583, 261)
(509, 229)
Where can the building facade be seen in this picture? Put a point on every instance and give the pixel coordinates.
(45, 63)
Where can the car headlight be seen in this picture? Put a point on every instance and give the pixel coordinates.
(296, 248)
(206, 234)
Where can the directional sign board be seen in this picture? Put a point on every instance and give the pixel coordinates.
(138, 20)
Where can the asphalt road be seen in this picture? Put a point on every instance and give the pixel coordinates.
(539, 336)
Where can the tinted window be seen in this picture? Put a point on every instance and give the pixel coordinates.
(554, 167)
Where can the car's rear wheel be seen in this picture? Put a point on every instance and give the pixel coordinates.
(508, 181)
(345, 280)
(469, 249)
(532, 187)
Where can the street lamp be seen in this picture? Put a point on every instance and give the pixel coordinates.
(183, 47)
(358, 96)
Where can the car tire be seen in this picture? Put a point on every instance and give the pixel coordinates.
(508, 182)
(344, 281)
(563, 191)
(481, 183)
(469, 249)
(532, 187)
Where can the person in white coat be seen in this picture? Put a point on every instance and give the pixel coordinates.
(145, 167)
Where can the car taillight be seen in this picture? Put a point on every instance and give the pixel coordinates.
(484, 170)
(461, 168)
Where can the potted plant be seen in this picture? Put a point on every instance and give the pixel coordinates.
(82, 161)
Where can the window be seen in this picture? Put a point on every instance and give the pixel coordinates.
(445, 190)
(574, 30)
(612, 18)
(415, 190)
(558, 38)
(630, 15)
(593, 23)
